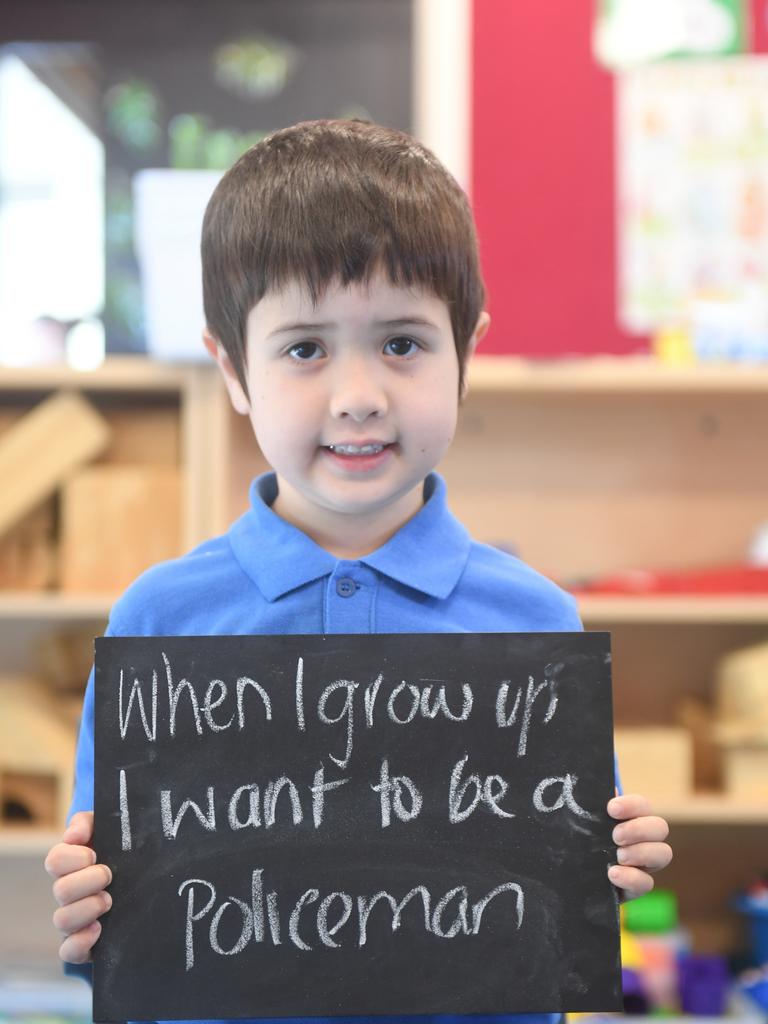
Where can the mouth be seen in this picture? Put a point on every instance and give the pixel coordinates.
(359, 457)
(370, 448)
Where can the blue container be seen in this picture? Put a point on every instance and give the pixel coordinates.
(756, 911)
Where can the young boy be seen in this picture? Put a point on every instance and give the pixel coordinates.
(343, 299)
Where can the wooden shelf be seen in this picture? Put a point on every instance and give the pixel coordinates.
(54, 607)
(678, 609)
(611, 375)
(118, 373)
(27, 842)
(606, 374)
(713, 809)
(681, 610)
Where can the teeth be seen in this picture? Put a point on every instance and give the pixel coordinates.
(353, 449)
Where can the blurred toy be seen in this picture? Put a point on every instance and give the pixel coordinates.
(652, 947)
(656, 912)
(754, 904)
(633, 992)
(754, 984)
(703, 985)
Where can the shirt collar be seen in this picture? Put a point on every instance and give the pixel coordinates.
(428, 553)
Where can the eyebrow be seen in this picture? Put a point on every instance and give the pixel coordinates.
(408, 321)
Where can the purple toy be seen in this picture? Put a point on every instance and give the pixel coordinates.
(634, 997)
(703, 985)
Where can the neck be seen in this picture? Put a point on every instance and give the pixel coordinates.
(347, 536)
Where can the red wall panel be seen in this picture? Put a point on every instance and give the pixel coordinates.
(759, 19)
(543, 179)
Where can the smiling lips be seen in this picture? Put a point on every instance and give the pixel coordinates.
(359, 457)
(369, 448)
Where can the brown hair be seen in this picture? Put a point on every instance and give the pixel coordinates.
(323, 201)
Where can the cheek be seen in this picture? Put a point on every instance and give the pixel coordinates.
(435, 425)
(279, 420)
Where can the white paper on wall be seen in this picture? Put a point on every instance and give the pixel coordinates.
(168, 217)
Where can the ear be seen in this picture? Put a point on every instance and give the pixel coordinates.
(237, 396)
(480, 331)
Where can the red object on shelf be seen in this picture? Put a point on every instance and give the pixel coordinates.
(716, 580)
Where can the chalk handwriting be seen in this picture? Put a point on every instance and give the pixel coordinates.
(487, 791)
(505, 719)
(565, 799)
(249, 806)
(451, 915)
(391, 790)
(216, 694)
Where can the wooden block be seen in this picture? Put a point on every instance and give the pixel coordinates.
(697, 717)
(43, 448)
(63, 659)
(142, 434)
(742, 686)
(28, 551)
(28, 798)
(116, 522)
(37, 752)
(745, 771)
(655, 761)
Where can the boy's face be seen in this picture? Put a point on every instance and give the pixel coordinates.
(353, 402)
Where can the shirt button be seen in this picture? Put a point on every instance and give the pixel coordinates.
(345, 587)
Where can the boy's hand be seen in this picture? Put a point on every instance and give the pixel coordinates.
(78, 889)
(641, 847)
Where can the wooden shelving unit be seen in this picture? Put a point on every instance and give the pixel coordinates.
(581, 468)
(52, 607)
(680, 610)
(609, 375)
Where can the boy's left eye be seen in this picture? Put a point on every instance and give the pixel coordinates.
(401, 346)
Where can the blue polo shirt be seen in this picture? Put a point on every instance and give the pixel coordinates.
(264, 576)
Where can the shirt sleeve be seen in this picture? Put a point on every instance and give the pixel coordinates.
(82, 795)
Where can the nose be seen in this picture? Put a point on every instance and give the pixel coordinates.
(358, 394)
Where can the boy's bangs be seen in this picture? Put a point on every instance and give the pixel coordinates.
(355, 261)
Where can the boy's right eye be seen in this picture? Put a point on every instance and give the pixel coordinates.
(304, 351)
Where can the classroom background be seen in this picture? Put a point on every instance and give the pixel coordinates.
(615, 434)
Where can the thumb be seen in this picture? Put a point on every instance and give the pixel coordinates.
(79, 832)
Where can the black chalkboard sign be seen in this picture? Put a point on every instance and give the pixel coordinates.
(333, 825)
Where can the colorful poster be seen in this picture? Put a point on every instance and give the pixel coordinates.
(692, 187)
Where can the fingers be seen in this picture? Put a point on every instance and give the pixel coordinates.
(650, 829)
(73, 852)
(78, 888)
(641, 847)
(649, 856)
(80, 829)
(77, 885)
(63, 859)
(632, 881)
(631, 805)
(81, 914)
(76, 948)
